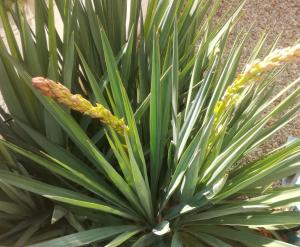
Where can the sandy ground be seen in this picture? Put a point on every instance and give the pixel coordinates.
(277, 16)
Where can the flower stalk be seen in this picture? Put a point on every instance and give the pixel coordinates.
(77, 103)
(252, 72)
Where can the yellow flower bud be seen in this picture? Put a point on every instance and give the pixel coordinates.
(76, 102)
(251, 73)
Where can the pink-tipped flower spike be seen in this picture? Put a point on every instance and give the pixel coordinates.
(76, 102)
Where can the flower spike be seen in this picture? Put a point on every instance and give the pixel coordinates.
(252, 72)
(76, 102)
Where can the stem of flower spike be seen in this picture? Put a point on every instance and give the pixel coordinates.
(77, 103)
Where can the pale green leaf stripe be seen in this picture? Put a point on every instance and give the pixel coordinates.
(86, 237)
(9, 94)
(123, 104)
(146, 102)
(124, 108)
(243, 236)
(59, 194)
(174, 83)
(61, 154)
(176, 241)
(195, 75)
(195, 109)
(9, 34)
(92, 80)
(188, 157)
(282, 106)
(26, 98)
(210, 240)
(155, 116)
(150, 13)
(53, 130)
(145, 240)
(69, 62)
(256, 219)
(141, 187)
(280, 198)
(167, 22)
(123, 238)
(40, 34)
(228, 211)
(121, 155)
(126, 58)
(52, 39)
(260, 169)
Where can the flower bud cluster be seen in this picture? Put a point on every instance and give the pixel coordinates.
(252, 72)
(77, 103)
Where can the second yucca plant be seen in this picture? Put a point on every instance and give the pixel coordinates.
(136, 127)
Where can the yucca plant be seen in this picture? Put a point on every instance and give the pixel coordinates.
(137, 124)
